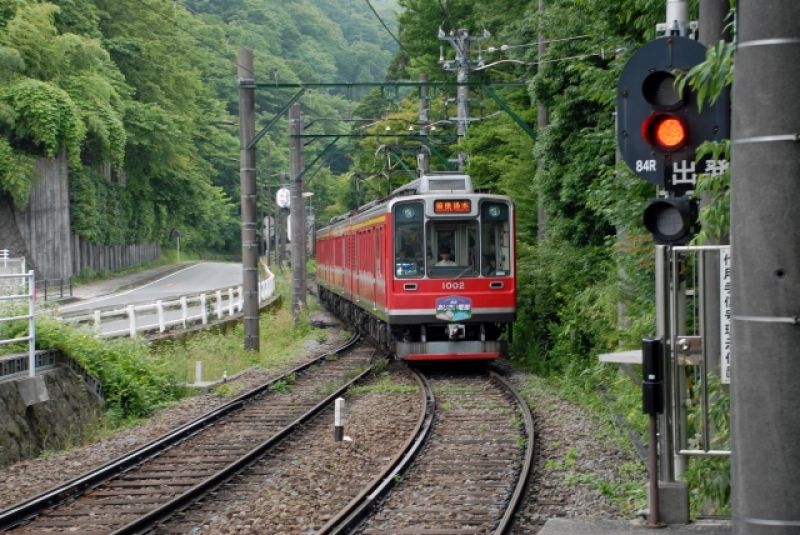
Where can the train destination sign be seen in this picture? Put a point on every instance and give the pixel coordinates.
(460, 206)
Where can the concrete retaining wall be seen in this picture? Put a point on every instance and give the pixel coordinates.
(92, 257)
(41, 232)
(28, 430)
(45, 224)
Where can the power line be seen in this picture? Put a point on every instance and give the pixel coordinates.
(386, 27)
(197, 39)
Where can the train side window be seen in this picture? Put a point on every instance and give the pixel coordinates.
(409, 247)
(495, 240)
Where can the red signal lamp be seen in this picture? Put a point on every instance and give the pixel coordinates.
(665, 131)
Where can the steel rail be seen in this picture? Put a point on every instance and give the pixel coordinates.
(360, 506)
(162, 513)
(508, 518)
(19, 513)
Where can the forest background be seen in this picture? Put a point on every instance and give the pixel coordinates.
(148, 88)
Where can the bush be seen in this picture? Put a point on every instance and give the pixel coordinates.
(134, 383)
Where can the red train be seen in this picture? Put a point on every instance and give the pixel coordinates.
(429, 271)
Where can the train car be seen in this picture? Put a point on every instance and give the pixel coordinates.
(429, 271)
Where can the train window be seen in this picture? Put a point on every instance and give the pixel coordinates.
(495, 240)
(452, 248)
(409, 249)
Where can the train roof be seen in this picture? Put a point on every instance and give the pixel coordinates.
(436, 183)
(439, 182)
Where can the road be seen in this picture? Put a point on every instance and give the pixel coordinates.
(190, 280)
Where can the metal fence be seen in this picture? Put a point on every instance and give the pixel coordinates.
(698, 381)
(47, 289)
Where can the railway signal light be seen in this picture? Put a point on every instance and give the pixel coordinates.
(659, 127)
(673, 220)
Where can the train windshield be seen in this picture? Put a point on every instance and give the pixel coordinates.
(409, 249)
(452, 248)
(495, 240)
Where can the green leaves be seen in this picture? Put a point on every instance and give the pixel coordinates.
(46, 116)
(710, 78)
(134, 383)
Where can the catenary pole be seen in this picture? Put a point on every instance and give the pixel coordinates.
(423, 161)
(247, 172)
(541, 124)
(765, 243)
(297, 211)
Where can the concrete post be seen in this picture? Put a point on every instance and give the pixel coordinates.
(765, 239)
(297, 212)
(247, 126)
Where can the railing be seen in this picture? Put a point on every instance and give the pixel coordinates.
(200, 308)
(9, 264)
(56, 287)
(17, 289)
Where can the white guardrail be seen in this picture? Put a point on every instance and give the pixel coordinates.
(200, 308)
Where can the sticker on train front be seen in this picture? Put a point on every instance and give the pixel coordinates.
(453, 308)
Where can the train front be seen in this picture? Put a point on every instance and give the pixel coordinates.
(453, 286)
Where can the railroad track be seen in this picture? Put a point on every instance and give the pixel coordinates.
(134, 492)
(474, 449)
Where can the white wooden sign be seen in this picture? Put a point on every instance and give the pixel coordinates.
(725, 283)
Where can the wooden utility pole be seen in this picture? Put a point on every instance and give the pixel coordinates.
(247, 173)
(765, 242)
(297, 211)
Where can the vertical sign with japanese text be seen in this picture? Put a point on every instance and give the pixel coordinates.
(725, 339)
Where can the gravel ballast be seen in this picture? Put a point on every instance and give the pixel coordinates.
(577, 469)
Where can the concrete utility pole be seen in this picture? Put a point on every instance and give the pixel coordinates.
(269, 219)
(765, 237)
(423, 163)
(711, 23)
(710, 29)
(461, 41)
(247, 172)
(280, 239)
(541, 124)
(297, 211)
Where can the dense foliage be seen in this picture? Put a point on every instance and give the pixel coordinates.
(141, 98)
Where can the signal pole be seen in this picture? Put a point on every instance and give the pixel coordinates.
(297, 212)
(247, 173)
(710, 29)
(765, 237)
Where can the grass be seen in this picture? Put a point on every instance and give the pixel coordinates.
(223, 354)
(618, 395)
(384, 384)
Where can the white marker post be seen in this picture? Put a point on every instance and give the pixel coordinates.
(338, 420)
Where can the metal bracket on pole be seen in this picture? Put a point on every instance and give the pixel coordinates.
(516, 118)
(320, 155)
(274, 120)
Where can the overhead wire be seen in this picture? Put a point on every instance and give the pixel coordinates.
(377, 16)
(197, 39)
